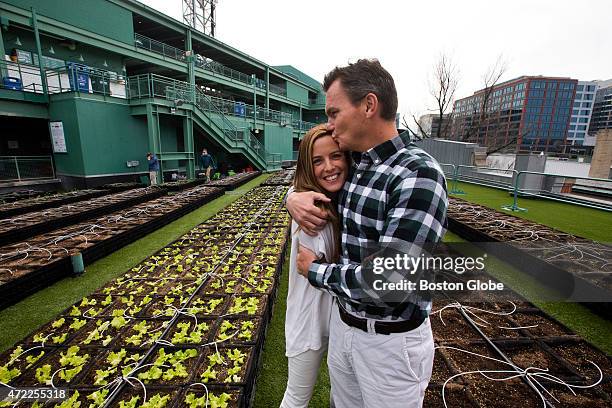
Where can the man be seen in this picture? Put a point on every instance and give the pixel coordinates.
(206, 162)
(153, 167)
(380, 354)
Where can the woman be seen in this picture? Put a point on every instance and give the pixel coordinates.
(323, 168)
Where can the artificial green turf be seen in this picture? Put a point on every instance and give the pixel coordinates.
(272, 378)
(20, 319)
(571, 218)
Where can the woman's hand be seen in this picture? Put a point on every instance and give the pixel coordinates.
(308, 216)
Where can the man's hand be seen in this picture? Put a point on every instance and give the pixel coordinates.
(304, 259)
(308, 216)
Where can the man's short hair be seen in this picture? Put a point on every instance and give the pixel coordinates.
(363, 77)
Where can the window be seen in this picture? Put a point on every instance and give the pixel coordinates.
(536, 85)
(574, 119)
(586, 104)
(584, 112)
(583, 120)
(588, 97)
(576, 104)
(580, 88)
(575, 111)
(590, 88)
(581, 127)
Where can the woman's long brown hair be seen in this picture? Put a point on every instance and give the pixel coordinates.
(305, 180)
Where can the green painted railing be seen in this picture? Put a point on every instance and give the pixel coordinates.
(156, 86)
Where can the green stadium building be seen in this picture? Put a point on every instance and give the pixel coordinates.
(88, 87)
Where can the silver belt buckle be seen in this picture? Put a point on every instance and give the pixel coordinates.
(371, 324)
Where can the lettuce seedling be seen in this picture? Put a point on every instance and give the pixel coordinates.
(156, 401)
(131, 403)
(70, 402)
(98, 397)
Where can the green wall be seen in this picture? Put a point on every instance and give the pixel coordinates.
(70, 163)
(101, 17)
(170, 131)
(100, 137)
(297, 93)
(279, 140)
(111, 136)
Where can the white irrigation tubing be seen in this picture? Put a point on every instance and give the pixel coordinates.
(7, 269)
(264, 207)
(457, 305)
(42, 345)
(144, 388)
(516, 373)
(205, 388)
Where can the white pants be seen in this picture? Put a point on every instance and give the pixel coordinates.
(153, 177)
(303, 372)
(378, 370)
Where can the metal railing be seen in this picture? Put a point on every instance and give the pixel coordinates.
(82, 79)
(156, 86)
(220, 69)
(20, 77)
(302, 125)
(159, 47)
(277, 89)
(243, 110)
(274, 160)
(595, 193)
(19, 168)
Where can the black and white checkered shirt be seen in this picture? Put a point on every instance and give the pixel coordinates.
(395, 197)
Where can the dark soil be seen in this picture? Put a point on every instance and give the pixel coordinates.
(545, 326)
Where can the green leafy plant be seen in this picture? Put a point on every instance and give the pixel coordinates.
(156, 401)
(7, 374)
(43, 374)
(171, 362)
(98, 397)
(184, 336)
(131, 403)
(214, 401)
(71, 402)
(71, 359)
(242, 305)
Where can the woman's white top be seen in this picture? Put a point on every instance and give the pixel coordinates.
(308, 308)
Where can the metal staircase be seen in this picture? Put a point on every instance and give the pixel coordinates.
(206, 115)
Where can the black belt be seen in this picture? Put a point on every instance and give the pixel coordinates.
(380, 327)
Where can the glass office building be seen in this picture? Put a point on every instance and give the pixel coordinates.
(529, 113)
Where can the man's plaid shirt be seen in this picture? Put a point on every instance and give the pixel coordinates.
(396, 197)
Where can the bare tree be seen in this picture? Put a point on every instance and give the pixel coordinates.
(480, 118)
(414, 135)
(443, 88)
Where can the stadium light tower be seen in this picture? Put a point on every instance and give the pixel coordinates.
(200, 15)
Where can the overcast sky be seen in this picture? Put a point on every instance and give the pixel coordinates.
(535, 37)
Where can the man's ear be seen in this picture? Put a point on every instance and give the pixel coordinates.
(371, 105)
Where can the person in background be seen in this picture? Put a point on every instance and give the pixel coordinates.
(323, 168)
(153, 167)
(206, 162)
